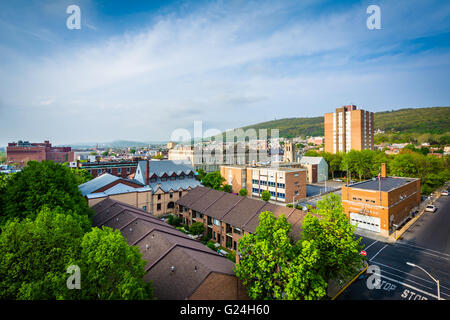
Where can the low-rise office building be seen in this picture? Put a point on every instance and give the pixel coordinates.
(316, 169)
(227, 217)
(383, 204)
(179, 267)
(285, 184)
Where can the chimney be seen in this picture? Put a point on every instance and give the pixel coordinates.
(147, 172)
(383, 170)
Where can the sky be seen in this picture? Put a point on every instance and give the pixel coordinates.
(138, 70)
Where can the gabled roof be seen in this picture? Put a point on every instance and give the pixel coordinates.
(311, 160)
(163, 246)
(159, 168)
(240, 212)
(97, 183)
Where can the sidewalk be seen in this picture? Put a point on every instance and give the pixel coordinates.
(421, 210)
(335, 287)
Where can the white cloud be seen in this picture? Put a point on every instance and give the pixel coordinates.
(219, 65)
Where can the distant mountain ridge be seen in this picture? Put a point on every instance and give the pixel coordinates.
(409, 120)
(114, 144)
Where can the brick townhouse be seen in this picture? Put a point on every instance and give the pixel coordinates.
(227, 217)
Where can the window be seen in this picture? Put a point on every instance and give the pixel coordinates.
(128, 170)
(173, 178)
(109, 170)
(180, 193)
(194, 214)
(158, 207)
(280, 185)
(144, 208)
(171, 195)
(99, 171)
(159, 197)
(216, 222)
(163, 179)
(119, 170)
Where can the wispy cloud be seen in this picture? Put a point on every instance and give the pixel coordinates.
(228, 65)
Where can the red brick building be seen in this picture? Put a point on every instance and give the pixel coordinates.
(23, 151)
(117, 168)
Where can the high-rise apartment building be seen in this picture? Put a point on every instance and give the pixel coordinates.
(348, 129)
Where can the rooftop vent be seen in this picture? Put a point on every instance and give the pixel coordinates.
(147, 246)
(172, 268)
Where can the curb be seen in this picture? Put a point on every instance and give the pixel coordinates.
(350, 282)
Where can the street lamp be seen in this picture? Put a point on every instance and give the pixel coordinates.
(437, 281)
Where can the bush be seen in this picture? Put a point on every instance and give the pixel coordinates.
(265, 195)
(197, 228)
(211, 245)
(243, 192)
(174, 220)
(289, 205)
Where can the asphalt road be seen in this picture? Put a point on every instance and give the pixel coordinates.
(426, 245)
(432, 230)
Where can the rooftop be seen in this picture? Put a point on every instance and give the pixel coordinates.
(240, 212)
(163, 246)
(386, 184)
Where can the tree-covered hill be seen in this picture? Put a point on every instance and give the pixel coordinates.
(435, 120)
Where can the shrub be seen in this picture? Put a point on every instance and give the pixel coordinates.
(197, 228)
(243, 192)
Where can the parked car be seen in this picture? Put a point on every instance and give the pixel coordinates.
(444, 193)
(337, 180)
(430, 208)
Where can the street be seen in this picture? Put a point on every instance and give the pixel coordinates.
(426, 244)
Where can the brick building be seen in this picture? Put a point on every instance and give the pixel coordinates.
(348, 129)
(227, 217)
(117, 168)
(155, 187)
(285, 184)
(381, 205)
(179, 267)
(23, 151)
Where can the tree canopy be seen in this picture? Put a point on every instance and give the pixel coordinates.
(35, 255)
(273, 266)
(42, 184)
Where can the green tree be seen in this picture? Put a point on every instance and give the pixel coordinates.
(34, 255)
(312, 153)
(333, 234)
(273, 266)
(133, 151)
(110, 268)
(42, 184)
(201, 174)
(243, 192)
(105, 153)
(213, 180)
(227, 188)
(197, 228)
(265, 195)
(81, 175)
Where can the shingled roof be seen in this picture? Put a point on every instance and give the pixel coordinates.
(238, 211)
(163, 247)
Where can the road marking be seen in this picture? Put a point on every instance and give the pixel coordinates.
(420, 284)
(426, 280)
(422, 248)
(371, 244)
(412, 287)
(378, 252)
(381, 264)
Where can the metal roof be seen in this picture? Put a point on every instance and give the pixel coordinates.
(386, 184)
(97, 183)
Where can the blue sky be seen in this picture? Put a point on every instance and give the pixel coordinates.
(138, 70)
